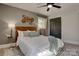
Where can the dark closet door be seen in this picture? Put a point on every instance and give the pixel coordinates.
(55, 27)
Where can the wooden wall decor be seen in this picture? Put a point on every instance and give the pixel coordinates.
(27, 19)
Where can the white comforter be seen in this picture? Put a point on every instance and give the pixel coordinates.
(32, 46)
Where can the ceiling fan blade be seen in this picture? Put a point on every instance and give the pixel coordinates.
(42, 6)
(48, 9)
(50, 3)
(56, 6)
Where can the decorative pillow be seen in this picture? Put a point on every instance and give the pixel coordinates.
(60, 43)
(33, 34)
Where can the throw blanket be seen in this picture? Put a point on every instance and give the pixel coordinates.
(55, 44)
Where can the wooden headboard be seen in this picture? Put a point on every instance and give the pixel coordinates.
(23, 28)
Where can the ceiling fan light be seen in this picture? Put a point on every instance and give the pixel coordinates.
(49, 6)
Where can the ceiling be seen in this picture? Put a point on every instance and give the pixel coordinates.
(33, 7)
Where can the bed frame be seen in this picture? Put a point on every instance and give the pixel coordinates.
(23, 28)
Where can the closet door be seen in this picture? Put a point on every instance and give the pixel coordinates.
(55, 27)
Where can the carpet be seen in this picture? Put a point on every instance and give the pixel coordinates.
(11, 51)
(68, 50)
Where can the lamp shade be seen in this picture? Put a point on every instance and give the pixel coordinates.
(11, 25)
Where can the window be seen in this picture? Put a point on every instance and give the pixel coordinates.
(42, 23)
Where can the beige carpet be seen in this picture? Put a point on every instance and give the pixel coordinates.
(12, 51)
(69, 50)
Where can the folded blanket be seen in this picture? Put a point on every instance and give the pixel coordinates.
(55, 44)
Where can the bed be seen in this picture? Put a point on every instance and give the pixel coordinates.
(35, 45)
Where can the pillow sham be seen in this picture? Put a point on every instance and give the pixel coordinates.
(26, 33)
(20, 34)
(31, 34)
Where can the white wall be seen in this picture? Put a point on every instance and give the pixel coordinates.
(11, 15)
(70, 26)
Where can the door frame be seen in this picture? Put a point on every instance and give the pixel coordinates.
(49, 25)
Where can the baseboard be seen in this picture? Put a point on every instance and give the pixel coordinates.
(72, 42)
(7, 45)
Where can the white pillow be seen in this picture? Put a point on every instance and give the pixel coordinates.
(20, 34)
(60, 43)
(26, 33)
(30, 33)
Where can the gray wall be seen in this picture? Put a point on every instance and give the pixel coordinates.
(12, 15)
(70, 26)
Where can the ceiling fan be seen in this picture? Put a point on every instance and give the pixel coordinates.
(50, 5)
